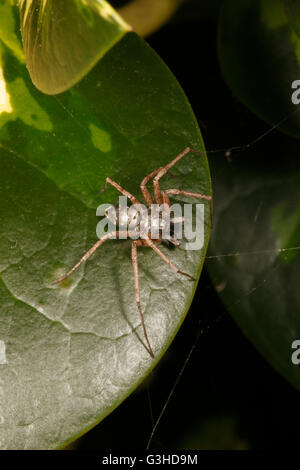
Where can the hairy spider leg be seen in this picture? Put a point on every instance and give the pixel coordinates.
(144, 189)
(87, 255)
(162, 172)
(160, 197)
(134, 259)
(152, 245)
(200, 196)
(123, 191)
(166, 199)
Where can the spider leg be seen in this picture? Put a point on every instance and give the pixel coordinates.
(137, 292)
(123, 191)
(201, 196)
(144, 189)
(162, 172)
(173, 241)
(152, 245)
(87, 255)
(166, 200)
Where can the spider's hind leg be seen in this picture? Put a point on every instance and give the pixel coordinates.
(148, 242)
(87, 255)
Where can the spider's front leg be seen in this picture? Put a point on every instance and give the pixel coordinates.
(144, 189)
(198, 195)
(123, 191)
(158, 174)
(162, 172)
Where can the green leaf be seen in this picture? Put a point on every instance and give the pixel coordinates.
(292, 8)
(146, 16)
(71, 353)
(259, 55)
(64, 40)
(9, 29)
(254, 254)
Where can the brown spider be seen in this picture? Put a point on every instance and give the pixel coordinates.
(161, 197)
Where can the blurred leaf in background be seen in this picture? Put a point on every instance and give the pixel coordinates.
(254, 254)
(254, 251)
(64, 40)
(146, 16)
(292, 8)
(259, 54)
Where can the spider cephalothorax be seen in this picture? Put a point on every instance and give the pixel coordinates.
(135, 223)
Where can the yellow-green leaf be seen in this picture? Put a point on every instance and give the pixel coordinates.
(63, 40)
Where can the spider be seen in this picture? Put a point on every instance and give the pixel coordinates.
(161, 197)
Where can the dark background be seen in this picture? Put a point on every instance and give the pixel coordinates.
(227, 397)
